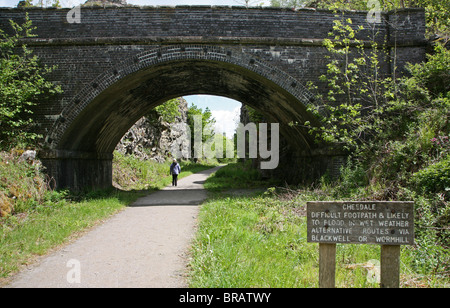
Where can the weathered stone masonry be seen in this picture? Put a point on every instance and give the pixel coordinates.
(118, 63)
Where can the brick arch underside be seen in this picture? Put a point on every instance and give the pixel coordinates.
(99, 116)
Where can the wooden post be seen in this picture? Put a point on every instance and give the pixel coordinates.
(327, 265)
(390, 266)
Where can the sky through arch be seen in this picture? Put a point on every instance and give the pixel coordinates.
(225, 111)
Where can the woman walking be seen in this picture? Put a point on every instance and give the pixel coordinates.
(175, 169)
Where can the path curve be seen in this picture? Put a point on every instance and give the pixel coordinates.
(144, 245)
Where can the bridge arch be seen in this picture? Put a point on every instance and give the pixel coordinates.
(96, 118)
(83, 138)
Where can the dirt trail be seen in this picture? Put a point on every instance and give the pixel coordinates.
(143, 246)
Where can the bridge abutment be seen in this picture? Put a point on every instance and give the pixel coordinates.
(77, 170)
(307, 167)
(312, 168)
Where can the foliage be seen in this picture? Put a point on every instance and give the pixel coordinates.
(402, 123)
(207, 121)
(246, 242)
(353, 177)
(355, 90)
(196, 116)
(52, 223)
(436, 13)
(399, 132)
(254, 116)
(169, 110)
(434, 178)
(226, 145)
(131, 173)
(235, 175)
(433, 75)
(339, 4)
(414, 126)
(22, 85)
(22, 184)
(41, 219)
(407, 158)
(39, 3)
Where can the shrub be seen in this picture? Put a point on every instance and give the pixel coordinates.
(353, 176)
(22, 85)
(434, 178)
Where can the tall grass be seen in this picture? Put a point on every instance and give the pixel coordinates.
(243, 243)
(261, 242)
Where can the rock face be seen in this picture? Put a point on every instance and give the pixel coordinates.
(153, 138)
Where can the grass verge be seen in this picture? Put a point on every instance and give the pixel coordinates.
(237, 175)
(260, 241)
(26, 235)
(38, 219)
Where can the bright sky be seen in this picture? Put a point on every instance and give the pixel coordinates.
(226, 111)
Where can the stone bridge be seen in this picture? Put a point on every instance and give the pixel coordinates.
(116, 64)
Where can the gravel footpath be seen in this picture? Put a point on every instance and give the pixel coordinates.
(144, 245)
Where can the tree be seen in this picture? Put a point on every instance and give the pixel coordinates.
(169, 110)
(356, 90)
(22, 86)
(195, 116)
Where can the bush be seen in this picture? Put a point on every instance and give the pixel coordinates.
(353, 177)
(434, 178)
(22, 85)
(130, 172)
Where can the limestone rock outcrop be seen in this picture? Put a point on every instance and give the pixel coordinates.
(153, 138)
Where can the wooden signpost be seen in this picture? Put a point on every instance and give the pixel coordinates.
(389, 224)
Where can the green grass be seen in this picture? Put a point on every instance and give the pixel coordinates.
(130, 173)
(253, 241)
(257, 242)
(34, 233)
(43, 219)
(260, 241)
(236, 175)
